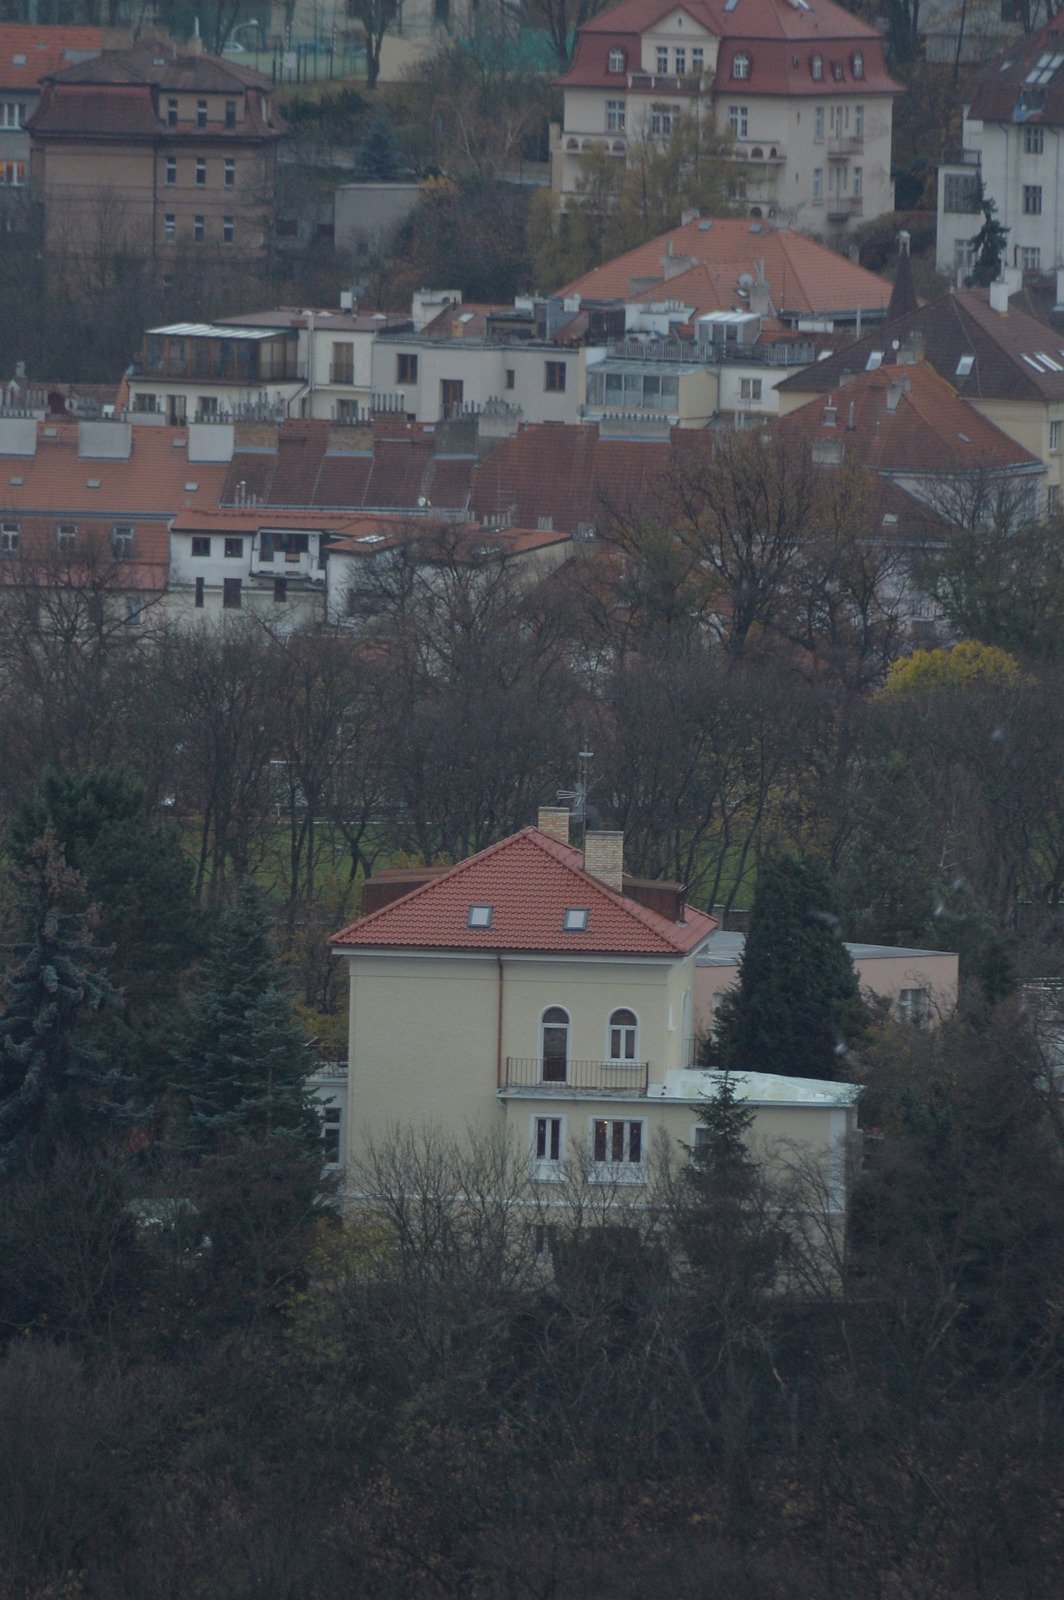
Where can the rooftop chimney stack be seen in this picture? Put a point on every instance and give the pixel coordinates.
(604, 857)
(554, 822)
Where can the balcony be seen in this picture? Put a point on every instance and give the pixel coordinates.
(841, 207)
(842, 146)
(527, 1075)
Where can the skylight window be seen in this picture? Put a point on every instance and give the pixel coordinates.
(1054, 366)
(575, 919)
(1031, 362)
(964, 366)
(1045, 67)
(479, 917)
(875, 359)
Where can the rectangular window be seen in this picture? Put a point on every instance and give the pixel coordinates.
(171, 170)
(554, 377)
(231, 588)
(12, 113)
(546, 1146)
(617, 1150)
(280, 591)
(451, 393)
(858, 121)
(1032, 199)
(663, 58)
(207, 407)
(698, 60)
(663, 120)
(66, 538)
(1052, 500)
(227, 230)
(406, 369)
(1031, 258)
(509, 377)
(234, 549)
(960, 192)
(170, 227)
(1054, 435)
(199, 594)
(818, 183)
(915, 1005)
(818, 123)
(681, 61)
(343, 362)
(750, 388)
(229, 170)
(134, 607)
(171, 113)
(1033, 140)
(201, 113)
(122, 541)
(201, 173)
(12, 174)
(201, 544)
(230, 113)
(739, 120)
(331, 1118)
(9, 538)
(858, 182)
(615, 115)
(198, 229)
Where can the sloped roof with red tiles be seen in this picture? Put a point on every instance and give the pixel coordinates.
(907, 419)
(700, 264)
(125, 109)
(405, 466)
(164, 66)
(529, 880)
(567, 474)
(1001, 88)
(30, 51)
(779, 38)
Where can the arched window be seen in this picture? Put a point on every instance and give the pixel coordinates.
(816, 66)
(623, 1031)
(616, 60)
(858, 64)
(554, 1044)
(740, 67)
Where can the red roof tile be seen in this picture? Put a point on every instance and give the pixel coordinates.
(529, 880)
(565, 474)
(29, 52)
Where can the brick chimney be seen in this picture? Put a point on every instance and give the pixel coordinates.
(554, 821)
(604, 857)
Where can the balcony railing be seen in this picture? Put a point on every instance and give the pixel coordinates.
(843, 206)
(843, 145)
(534, 1076)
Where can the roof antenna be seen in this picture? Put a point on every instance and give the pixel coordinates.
(577, 797)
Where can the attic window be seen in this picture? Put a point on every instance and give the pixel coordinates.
(616, 61)
(92, 483)
(816, 67)
(858, 64)
(575, 919)
(17, 481)
(479, 917)
(875, 359)
(836, 70)
(189, 487)
(740, 66)
(18, 61)
(964, 366)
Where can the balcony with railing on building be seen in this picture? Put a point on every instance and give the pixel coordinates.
(289, 554)
(200, 352)
(532, 1077)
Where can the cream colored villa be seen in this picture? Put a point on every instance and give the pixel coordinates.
(539, 991)
(802, 85)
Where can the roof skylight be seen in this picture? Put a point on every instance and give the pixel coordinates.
(964, 366)
(479, 917)
(575, 919)
(1045, 67)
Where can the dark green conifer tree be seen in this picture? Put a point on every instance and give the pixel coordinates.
(378, 154)
(797, 1008)
(57, 1088)
(241, 1058)
(886, 877)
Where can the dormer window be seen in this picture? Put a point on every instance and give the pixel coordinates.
(858, 64)
(836, 71)
(479, 917)
(616, 61)
(575, 919)
(740, 67)
(816, 67)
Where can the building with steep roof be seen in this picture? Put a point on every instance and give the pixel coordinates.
(801, 84)
(538, 992)
(155, 153)
(28, 53)
(1012, 140)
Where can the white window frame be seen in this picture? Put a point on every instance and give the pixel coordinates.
(664, 120)
(546, 1168)
(818, 185)
(66, 538)
(10, 537)
(858, 121)
(1054, 435)
(568, 1026)
(818, 124)
(857, 64)
(123, 537)
(616, 115)
(816, 68)
(622, 1060)
(698, 60)
(229, 173)
(680, 60)
(740, 67)
(662, 60)
(1033, 139)
(915, 1005)
(1032, 199)
(739, 121)
(858, 182)
(626, 1170)
(616, 61)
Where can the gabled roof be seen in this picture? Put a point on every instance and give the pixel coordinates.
(156, 480)
(1007, 351)
(566, 474)
(1025, 83)
(700, 264)
(529, 880)
(29, 52)
(907, 419)
(163, 66)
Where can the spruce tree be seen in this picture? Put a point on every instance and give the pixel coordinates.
(797, 1007)
(378, 155)
(241, 1058)
(57, 1088)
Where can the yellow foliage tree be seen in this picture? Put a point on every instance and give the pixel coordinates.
(962, 664)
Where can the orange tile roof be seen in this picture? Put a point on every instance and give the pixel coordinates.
(29, 52)
(153, 481)
(529, 880)
(705, 261)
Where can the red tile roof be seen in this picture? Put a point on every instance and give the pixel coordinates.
(998, 87)
(29, 52)
(165, 66)
(529, 880)
(780, 39)
(700, 263)
(567, 474)
(402, 470)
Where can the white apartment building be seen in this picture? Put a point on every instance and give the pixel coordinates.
(1012, 150)
(801, 84)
